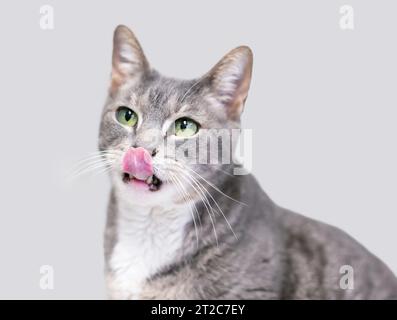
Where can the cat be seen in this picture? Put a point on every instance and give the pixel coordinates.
(179, 229)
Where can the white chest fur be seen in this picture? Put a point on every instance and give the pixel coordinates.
(147, 240)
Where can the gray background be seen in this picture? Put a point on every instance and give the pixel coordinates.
(322, 107)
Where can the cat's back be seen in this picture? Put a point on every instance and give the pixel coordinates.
(317, 260)
(329, 263)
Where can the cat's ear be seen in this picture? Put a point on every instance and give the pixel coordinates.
(128, 61)
(230, 79)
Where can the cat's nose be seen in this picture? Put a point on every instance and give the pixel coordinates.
(138, 163)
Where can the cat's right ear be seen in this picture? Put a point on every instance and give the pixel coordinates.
(128, 61)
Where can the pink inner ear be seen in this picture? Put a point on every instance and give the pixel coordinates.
(138, 163)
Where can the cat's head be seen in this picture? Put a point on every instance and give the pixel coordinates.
(156, 132)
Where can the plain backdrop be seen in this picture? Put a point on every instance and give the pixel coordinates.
(322, 108)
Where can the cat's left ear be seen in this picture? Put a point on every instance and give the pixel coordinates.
(230, 80)
(128, 61)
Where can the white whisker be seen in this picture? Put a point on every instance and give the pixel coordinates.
(208, 207)
(187, 198)
(94, 161)
(216, 203)
(202, 190)
(188, 90)
(215, 187)
(90, 168)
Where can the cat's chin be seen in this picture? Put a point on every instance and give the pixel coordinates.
(137, 192)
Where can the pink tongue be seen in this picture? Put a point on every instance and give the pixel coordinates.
(138, 163)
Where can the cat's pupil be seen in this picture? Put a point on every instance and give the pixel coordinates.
(184, 125)
(128, 115)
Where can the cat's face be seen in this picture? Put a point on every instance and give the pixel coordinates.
(155, 131)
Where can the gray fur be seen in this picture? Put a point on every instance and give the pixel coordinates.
(275, 253)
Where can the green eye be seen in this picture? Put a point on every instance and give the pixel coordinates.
(126, 116)
(185, 127)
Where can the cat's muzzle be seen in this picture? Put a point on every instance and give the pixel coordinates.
(153, 181)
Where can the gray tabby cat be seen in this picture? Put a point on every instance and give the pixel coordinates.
(177, 229)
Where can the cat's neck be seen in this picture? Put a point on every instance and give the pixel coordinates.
(148, 239)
